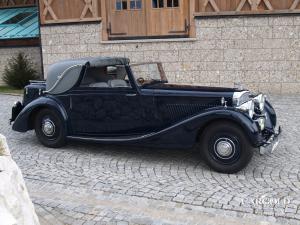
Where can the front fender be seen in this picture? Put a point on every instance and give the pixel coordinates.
(23, 122)
(187, 131)
(271, 121)
(249, 126)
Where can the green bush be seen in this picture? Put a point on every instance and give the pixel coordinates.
(19, 71)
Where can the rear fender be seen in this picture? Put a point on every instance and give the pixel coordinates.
(24, 122)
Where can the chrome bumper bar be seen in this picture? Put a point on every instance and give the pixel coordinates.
(16, 109)
(271, 145)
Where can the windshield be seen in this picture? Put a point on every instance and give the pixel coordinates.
(148, 73)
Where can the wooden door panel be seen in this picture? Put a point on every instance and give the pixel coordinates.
(117, 20)
(147, 21)
(126, 22)
(167, 20)
(137, 21)
(176, 20)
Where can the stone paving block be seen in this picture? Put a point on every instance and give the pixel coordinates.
(176, 178)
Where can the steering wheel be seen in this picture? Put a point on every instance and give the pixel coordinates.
(140, 80)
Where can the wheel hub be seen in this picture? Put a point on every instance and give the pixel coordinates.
(48, 127)
(224, 148)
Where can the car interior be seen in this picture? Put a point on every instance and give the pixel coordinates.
(106, 77)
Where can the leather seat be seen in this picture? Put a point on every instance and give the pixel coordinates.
(99, 85)
(117, 83)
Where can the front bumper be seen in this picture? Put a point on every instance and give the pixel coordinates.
(272, 143)
(16, 109)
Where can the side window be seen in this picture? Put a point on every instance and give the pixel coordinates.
(157, 3)
(135, 4)
(106, 77)
(121, 4)
(172, 3)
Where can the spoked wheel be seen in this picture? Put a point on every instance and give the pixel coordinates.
(49, 128)
(225, 147)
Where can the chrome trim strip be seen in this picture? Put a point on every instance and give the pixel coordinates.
(112, 139)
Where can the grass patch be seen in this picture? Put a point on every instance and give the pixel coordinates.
(10, 90)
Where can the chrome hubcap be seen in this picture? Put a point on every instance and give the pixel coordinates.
(224, 148)
(48, 127)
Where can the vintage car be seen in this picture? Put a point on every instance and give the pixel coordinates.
(109, 100)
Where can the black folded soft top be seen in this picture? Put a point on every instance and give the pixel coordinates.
(63, 75)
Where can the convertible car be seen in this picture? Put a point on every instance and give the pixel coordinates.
(110, 100)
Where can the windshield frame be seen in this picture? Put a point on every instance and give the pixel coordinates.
(163, 77)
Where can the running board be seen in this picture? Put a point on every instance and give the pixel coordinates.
(111, 139)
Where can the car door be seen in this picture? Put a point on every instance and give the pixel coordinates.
(110, 110)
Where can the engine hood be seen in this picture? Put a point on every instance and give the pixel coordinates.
(179, 94)
(183, 87)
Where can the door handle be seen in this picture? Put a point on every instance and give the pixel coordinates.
(131, 95)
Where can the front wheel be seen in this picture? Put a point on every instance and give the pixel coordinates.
(49, 128)
(225, 148)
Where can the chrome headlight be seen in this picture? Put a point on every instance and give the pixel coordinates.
(247, 107)
(260, 100)
(240, 98)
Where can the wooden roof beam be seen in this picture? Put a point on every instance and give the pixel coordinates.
(48, 9)
(89, 6)
(295, 4)
(212, 3)
(254, 4)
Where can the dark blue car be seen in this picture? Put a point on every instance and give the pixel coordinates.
(109, 100)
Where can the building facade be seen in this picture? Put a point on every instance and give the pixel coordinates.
(207, 42)
(19, 32)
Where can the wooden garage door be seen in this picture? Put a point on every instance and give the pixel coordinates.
(167, 17)
(127, 19)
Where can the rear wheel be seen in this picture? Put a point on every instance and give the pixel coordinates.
(225, 148)
(49, 128)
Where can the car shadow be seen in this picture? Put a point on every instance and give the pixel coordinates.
(166, 155)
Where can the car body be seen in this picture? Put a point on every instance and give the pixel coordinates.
(109, 100)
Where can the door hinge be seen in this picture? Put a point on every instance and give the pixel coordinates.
(186, 28)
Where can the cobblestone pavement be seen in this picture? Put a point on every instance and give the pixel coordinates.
(100, 184)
